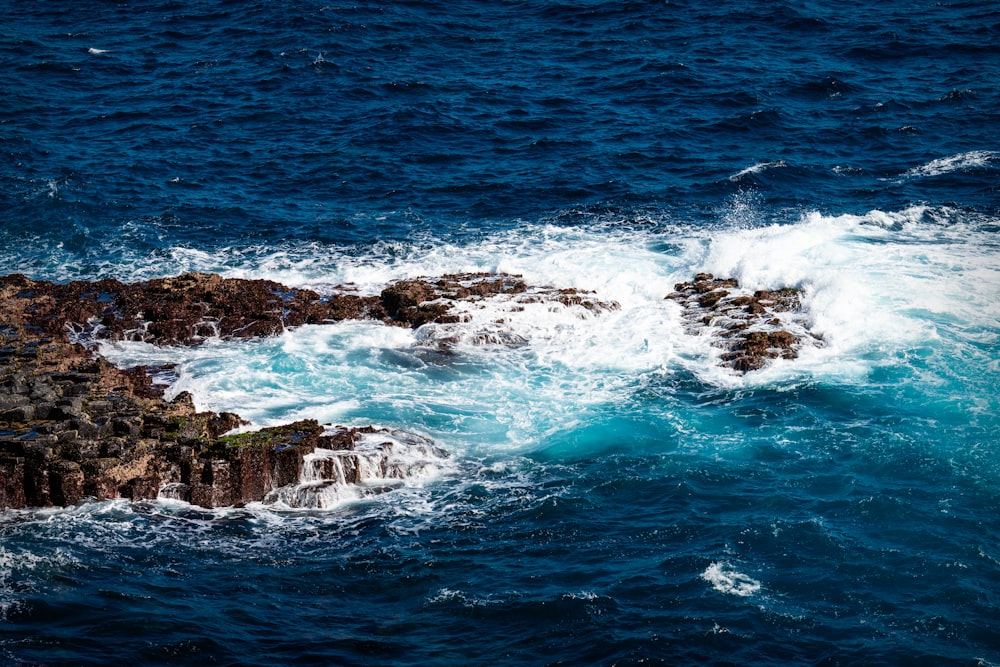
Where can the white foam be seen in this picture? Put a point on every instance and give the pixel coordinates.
(874, 287)
(872, 283)
(726, 579)
(757, 168)
(952, 163)
(378, 461)
(95, 52)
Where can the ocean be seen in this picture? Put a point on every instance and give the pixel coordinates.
(611, 494)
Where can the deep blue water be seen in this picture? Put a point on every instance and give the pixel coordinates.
(612, 495)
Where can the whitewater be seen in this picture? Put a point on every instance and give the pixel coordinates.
(875, 287)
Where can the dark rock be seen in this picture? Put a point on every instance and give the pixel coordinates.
(44, 410)
(68, 437)
(141, 488)
(219, 424)
(745, 324)
(99, 481)
(249, 465)
(36, 482)
(218, 477)
(112, 447)
(201, 494)
(86, 428)
(286, 464)
(175, 491)
(711, 298)
(20, 414)
(39, 447)
(127, 426)
(12, 480)
(65, 483)
(98, 408)
(12, 401)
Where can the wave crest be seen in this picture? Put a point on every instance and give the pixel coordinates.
(726, 579)
(950, 164)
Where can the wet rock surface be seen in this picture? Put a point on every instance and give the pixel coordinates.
(181, 310)
(753, 327)
(192, 307)
(74, 427)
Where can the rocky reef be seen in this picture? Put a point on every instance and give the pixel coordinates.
(73, 426)
(192, 307)
(752, 327)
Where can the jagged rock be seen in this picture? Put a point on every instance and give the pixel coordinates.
(237, 469)
(753, 328)
(191, 307)
(181, 310)
(73, 426)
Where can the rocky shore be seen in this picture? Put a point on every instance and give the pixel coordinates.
(75, 427)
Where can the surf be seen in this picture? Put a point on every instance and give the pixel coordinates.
(908, 293)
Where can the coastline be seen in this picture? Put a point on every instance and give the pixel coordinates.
(75, 427)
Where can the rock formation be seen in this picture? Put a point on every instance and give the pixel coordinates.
(72, 426)
(753, 327)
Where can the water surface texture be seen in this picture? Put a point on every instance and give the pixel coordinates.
(612, 494)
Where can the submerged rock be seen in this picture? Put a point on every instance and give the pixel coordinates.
(753, 327)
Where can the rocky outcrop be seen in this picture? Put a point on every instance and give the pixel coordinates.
(192, 307)
(182, 310)
(753, 328)
(72, 426)
(422, 301)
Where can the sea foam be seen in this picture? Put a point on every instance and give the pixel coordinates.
(725, 579)
(951, 163)
(874, 287)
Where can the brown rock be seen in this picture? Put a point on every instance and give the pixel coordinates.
(745, 323)
(65, 483)
(99, 482)
(12, 476)
(36, 483)
(141, 488)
